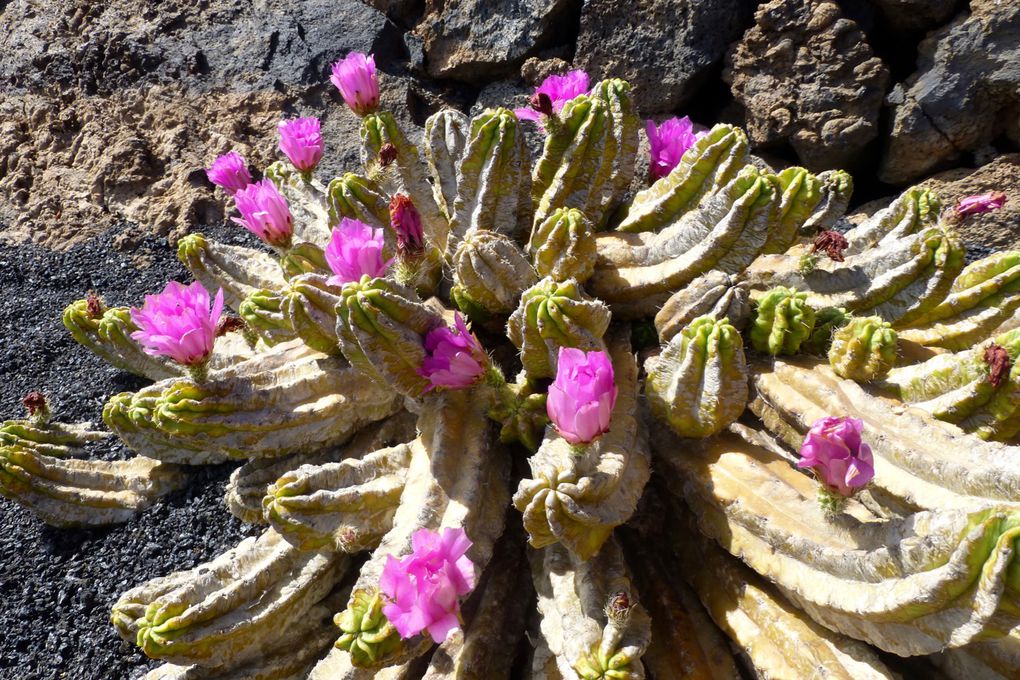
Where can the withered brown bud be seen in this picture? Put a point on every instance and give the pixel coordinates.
(94, 306)
(542, 103)
(228, 324)
(997, 359)
(35, 402)
(619, 605)
(832, 243)
(387, 154)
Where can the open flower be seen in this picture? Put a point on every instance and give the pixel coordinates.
(178, 323)
(354, 76)
(669, 141)
(406, 223)
(301, 141)
(355, 249)
(454, 358)
(981, 203)
(559, 90)
(229, 172)
(423, 588)
(265, 213)
(582, 397)
(834, 450)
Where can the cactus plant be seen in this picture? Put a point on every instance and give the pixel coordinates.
(490, 272)
(239, 271)
(782, 321)
(863, 350)
(714, 294)
(358, 198)
(562, 246)
(445, 136)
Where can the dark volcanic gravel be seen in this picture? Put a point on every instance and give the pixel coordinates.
(57, 585)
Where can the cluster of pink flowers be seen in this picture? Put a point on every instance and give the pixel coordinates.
(354, 76)
(454, 357)
(301, 141)
(178, 323)
(423, 588)
(265, 213)
(355, 250)
(582, 397)
(557, 90)
(835, 450)
(229, 172)
(669, 141)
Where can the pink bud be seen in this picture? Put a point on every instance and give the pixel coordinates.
(265, 213)
(355, 249)
(301, 141)
(229, 172)
(406, 223)
(559, 90)
(424, 587)
(582, 397)
(354, 76)
(454, 358)
(178, 323)
(834, 450)
(669, 141)
(981, 203)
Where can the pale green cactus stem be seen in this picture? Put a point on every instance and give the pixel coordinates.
(309, 304)
(913, 211)
(262, 312)
(909, 585)
(228, 610)
(358, 198)
(306, 199)
(698, 384)
(562, 246)
(521, 408)
(711, 163)
(493, 184)
(554, 314)
(864, 349)
(636, 273)
(490, 272)
(570, 170)
(446, 133)
(782, 321)
(239, 271)
(292, 400)
(577, 499)
(381, 328)
(456, 478)
(800, 192)
(618, 162)
(58, 440)
(303, 258)
(714, 294)
(591, 619)
(827, 321)
(404, 174)
(108, 336)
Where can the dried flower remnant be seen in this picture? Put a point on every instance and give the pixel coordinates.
(94, 306)
(265, 213)
(229, 172)
(354, 76)
(998, 362)
(387, 154)
(38, 408)
(832, 243)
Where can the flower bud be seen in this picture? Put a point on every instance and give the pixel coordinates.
(406, 223)
(301, 141)
(265, 213)
(229, 172)
(354, 76)
(582, 397)
(833, 448)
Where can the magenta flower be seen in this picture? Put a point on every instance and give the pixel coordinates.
(454, 358)
(354, 76)
(229, 172)
(355, 249)
(423, 588)
(265, 213)
(178, 323)
(582, 397)
(834, 450)
(406, 223)
(981, 203)
(669, 141)
(559, 89)
(301, 140)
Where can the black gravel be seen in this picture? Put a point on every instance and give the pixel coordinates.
(57, 585)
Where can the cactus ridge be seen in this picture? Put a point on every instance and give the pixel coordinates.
(782, 321)
(357, 198)
(491, 271)
(309, 304)
(916, 209)
(446, 134)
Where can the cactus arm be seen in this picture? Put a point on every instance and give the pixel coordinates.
(914, 210)
(863, 350)
(306, 201)
(225, 611)
(799, 194)
(58, 440)
(708, 165)
(491, 271)
(713, 294)
(563, 246)
(618, 162)
(238, 270)
(577, 499)
(782, 321)
(446, 134)
(358, 198)
(263, 313)
(836, 187)
(309, 304)
(109, 338)
(573, 597)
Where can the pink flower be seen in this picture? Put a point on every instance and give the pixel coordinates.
(455, 359)
(406, 222)
(423, 588)
(559, 89)
(265, 213)
(178, 323)
(834, 449)
(355, 249)
(582, 397)
(981, 203)
(669, 141)
(301, 140)
(229, 172)
(354, 76)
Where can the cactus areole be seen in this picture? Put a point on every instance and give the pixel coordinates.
(398, 474)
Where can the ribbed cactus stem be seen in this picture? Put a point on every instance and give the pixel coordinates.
(366, 633)
(446, 134)
(800, 192)
(263, 314)
(358, 198)
(827, 321)
(783, 320)
(303, 258)
(617, 162)
(863, 350)
(490, 271)
(562, 246)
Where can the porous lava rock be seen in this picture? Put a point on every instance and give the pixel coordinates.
(915, 15)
